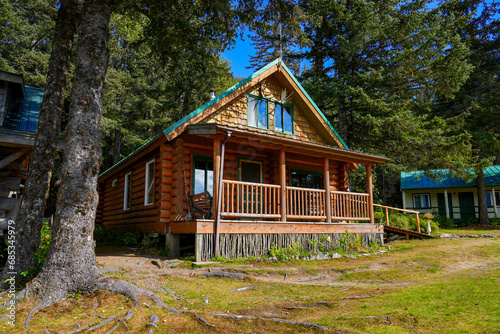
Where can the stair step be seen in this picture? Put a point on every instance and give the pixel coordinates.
(7, 204)
(11, 183)
(4, 192)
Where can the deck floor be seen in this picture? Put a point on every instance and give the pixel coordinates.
(205, 226)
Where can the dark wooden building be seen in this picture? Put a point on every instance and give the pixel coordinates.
(275, 169)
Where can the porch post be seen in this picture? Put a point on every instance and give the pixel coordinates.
(494, 201)
(326, 179)
(446, 203)
(404, 199)
(370, 191)
(215, 182)
(283, 185)
(215, 198)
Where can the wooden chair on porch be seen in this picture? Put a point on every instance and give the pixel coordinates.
(200, 204)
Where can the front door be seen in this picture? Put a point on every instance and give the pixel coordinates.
(466, 202)
(441, 204)
(251, 171)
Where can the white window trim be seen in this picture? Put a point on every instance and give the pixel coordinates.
(422, 207)
(146, 182)
(127, 193)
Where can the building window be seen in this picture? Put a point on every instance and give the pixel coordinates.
(311, 180)
(203, 175)
(421, 201)
(283, 118)
(257, 112)
(149, 194)
(127, 191)
(114, 183)
(497, 198)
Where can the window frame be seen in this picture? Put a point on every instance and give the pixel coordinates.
(421, 207)
(283, 105)
(205, 183)
(261, 98)
(146, 176)
(127, 190)
(300, 171)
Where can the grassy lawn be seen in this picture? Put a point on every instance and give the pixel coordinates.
(418, 286)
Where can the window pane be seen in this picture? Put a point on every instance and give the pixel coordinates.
(488, 199)
(263, 113)
(203, 176)
(150, 176)
(497, 198)
(417, 202)
(252, 111)
(278, 117)
(426, 203)
(287, 119)
(127, 192)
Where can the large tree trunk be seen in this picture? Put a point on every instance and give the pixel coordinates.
(71, 264)
(29, 221)
(481, 198)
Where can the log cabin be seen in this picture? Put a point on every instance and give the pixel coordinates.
(256, 166)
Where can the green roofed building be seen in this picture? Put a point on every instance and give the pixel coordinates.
(450, 196)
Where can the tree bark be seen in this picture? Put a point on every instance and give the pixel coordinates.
(29, 222)
(481, 198)
(71, 263)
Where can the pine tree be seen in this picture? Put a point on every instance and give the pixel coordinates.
(377, 68)
(277, 33)
(478, 100)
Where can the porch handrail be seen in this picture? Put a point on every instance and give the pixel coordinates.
(349, 205)
(250, 199)
(305, 203)
(387, 208)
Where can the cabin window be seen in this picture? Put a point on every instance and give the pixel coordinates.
(421, 201)
(304, 179)
(149, 194)
(127, 190)
(203, 175)
(497, 198)
(257, 115)
(114, 183)
(283, 118)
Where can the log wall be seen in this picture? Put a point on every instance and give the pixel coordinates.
(110, 212)
(245, 245)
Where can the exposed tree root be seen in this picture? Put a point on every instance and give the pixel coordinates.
(306, 324)
(102, 323)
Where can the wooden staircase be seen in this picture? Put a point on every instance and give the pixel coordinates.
(406, 233)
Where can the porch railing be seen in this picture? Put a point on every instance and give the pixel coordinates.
(258, 200)
(304, 203)
(349, 206)
(246, 199)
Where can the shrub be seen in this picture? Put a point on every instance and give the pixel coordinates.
(444, 222)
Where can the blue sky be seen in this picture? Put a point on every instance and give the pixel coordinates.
(239, 57)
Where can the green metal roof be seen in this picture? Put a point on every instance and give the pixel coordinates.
(418, 180)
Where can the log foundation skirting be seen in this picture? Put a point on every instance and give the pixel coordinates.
(245, 245)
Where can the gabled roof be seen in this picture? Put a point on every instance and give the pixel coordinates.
(418, 180)
(286, 77)
(276, 66)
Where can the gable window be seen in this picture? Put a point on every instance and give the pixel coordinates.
(257, 112)
(149, 194)
(283, 118)
(421, 201)
(127, 190)
(203, 175)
